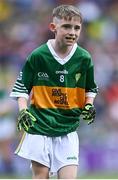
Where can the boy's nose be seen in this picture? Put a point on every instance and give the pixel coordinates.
(72, 31)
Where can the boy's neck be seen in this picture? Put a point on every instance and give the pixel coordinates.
(61, 50)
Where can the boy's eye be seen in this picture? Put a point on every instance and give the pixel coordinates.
(66, 26)
(77, 27)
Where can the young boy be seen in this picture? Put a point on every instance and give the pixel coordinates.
(59, 76)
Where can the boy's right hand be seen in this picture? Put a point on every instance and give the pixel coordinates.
(25, 120)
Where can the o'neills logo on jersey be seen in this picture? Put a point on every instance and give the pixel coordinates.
(62, 72)
(43, 76)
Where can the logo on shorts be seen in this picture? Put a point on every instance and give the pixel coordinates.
(72, 157)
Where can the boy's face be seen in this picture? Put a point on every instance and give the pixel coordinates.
(67, 32)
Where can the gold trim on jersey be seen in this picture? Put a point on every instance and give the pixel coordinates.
(58, 97)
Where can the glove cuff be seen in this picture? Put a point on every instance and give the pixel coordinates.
(88, 106)
(23, 110)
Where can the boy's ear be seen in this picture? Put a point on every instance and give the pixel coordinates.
(52, 27)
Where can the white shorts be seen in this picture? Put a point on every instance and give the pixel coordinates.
(53, 152)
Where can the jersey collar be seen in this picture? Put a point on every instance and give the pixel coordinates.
(62, 61)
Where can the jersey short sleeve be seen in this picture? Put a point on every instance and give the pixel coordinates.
(91, 88)
(24, 82)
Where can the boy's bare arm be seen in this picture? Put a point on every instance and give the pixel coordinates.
(89, 100)
(22, 103)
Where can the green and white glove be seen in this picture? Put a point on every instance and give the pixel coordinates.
(89, 113)
(25, 120)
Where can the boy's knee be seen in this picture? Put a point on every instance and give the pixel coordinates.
(68, 172)
(39, 171)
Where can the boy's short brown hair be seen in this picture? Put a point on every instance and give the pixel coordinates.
(66, 12)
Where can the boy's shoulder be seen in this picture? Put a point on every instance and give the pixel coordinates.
(39, 50)
(83, 52)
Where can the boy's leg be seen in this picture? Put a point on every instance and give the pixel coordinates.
(65, 157)
(68, 172)
(36, 149)
(39, 171)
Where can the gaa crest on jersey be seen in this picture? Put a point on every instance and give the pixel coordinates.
(77, 77)
(43, 76)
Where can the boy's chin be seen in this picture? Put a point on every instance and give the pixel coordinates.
(70, 43)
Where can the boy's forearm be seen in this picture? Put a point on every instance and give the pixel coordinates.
(89, 100)
(22, 103)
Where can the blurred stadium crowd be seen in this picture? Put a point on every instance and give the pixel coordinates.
(23, 27)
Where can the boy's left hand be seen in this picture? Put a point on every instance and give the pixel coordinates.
(89, 113)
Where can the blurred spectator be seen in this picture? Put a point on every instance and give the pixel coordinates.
(7, 127)
(5, 10)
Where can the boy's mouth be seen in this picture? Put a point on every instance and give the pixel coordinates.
(70, 38)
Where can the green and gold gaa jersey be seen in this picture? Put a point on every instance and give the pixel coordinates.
(57, 87)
